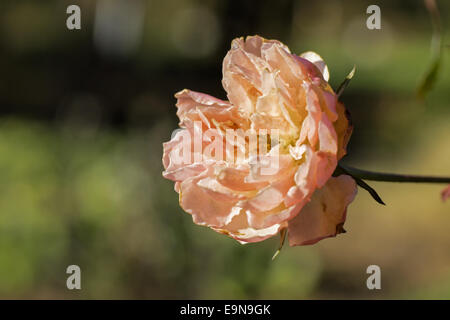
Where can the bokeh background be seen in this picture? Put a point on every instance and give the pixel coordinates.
(84, 113)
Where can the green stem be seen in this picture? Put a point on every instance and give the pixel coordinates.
(392, 177)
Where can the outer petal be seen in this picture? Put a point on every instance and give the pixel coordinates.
(195, 106)
(207, 205)
(325, 214)
(239, 229)
(267, 207)
(327, 136)
(178, 157)
(305, 178)
(310, 126)
(283, 61)
(253, 44)
(318, 62)
(243, 76)
(181, 159)
(344, 129)
(248, 74)
(289, 190)
(236, 179)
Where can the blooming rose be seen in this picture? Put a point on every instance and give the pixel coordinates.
(267, 88)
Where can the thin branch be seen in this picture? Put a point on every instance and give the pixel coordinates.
(393, 177)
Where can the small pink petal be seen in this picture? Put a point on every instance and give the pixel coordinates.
(318, 62)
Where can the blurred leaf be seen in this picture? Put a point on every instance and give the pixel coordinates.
(429, 79)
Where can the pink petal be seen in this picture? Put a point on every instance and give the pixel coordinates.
(325, 167)
(245, 71)
(327, 136)
(309, 69)
(195, 106)
(235, 179)
(182, 160)
(208, 207)
(283, 61)
(310, 126)
(278, 203)
(318, 62)
(344, 128)
(177, 152)
(253, 44)
(239, 229)
(325, 214)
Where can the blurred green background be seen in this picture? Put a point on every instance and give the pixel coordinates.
(84, 113)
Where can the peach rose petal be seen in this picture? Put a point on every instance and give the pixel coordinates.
(344, 128)
(207, 206)
(280, 59)
(318, 62)
(235, 179)
(239, 229)
(195, 106)
(174, 157)
(325, 214)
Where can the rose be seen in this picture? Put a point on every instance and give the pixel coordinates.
(267, 88)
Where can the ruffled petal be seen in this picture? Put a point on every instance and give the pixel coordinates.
(236, 179)
(212, 112)
(344, 129)
(184, 158)
(239, 229)
(178, 155)
(310, 126)
(318, 62)
(325, 214)
(327, 136)
(243, 76)
(282, 61)
(207, 204)
(305, 178)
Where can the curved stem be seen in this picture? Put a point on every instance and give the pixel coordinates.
(392, 177)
